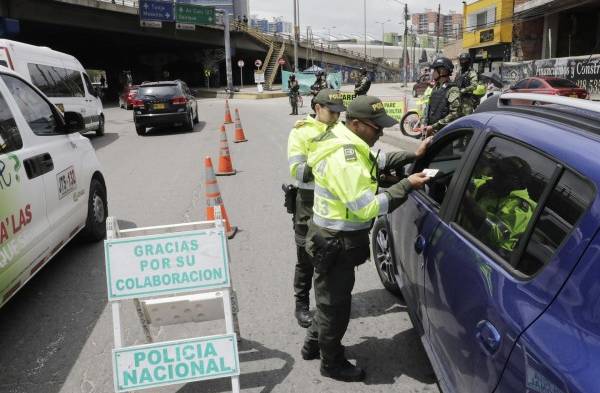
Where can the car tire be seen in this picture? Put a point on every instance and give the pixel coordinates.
(189, 124)
(414, 93)
(141, 130)
(100, 130)
(129, 107)
(95, 224)
(383, 256)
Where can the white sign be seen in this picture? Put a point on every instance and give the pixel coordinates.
(151, 23)
(185, 26)
(240, 63)
(258, 63)
(259, 77)
(167, 363)
(139, 267)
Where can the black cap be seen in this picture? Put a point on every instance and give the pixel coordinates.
(370, 108)
(332, 99)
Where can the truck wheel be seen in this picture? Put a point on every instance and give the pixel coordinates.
(100, 130)
(95, 225)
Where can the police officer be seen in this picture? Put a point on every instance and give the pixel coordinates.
(467, 81)
(444, 102)
(328, 105)
(294, 91)
(320, 84)
(346, 202)
(363, 84)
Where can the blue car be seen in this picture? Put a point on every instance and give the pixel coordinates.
(498, 257)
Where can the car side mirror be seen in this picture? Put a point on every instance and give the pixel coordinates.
(73, 122)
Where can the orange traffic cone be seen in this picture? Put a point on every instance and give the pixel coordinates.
(228, 119)
(215, 209)
(239, 131)
(225, 165)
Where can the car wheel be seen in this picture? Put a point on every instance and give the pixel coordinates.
(129, 107)
(382, 257)
(415, 93)
(95, 225)
(141, 130)
(189, 124)
(100, 130)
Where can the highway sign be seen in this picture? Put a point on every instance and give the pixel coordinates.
(156, 10)
(281, 61)
(151, 23)
(185, 26)
(144, 266)
(194, 14)
(240, 63)
(257, 63)
(171, 362)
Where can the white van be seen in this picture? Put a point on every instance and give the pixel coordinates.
(59, 76)
(51, 183)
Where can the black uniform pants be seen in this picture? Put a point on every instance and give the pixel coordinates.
(303, 276)
(294, 103)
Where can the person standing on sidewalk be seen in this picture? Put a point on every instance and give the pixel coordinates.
(328, 105)
(293, 92)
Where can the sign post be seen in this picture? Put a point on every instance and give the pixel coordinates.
(240, 64)
(151, 265)
(259, 77)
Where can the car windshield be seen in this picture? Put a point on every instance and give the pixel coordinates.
(558, 83)
(163, 90)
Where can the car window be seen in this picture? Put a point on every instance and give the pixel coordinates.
(502, 195)
(10, 138)
(444, 155)
(536, 84)
(35, 109)
(562, 83)
(164, 90)
(521, 84)
(568, 201)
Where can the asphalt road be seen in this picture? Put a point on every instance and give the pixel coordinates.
(56, 334)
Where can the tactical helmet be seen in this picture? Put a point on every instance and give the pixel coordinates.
(442, 62)
(363, 71)
(465, 59)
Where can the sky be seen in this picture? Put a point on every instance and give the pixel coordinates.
(347, 15)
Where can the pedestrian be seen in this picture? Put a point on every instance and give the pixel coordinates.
(102, 81)
(467, 81)
(328, 105)
(345, 204)
(293, 92)
(320, 84)
(363, 85)
(444, 102)
(245, 20)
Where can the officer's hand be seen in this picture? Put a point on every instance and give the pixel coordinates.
(422, 149)
(428, 130)
(418, 180)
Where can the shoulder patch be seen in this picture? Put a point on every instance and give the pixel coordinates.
(350, 153)
(299, 123)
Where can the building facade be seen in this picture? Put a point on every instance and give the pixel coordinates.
(449, 25)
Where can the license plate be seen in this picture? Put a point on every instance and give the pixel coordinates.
(66, 182)
(159, 106)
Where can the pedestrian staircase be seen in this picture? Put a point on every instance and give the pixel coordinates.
(276, 51)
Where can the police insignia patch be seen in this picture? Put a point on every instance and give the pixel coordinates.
(349, 153)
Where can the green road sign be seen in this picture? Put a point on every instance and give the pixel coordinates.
(194, 14)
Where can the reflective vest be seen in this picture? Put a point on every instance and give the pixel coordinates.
(345, 174)
(299, 142)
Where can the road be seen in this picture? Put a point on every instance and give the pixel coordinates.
(56, 334)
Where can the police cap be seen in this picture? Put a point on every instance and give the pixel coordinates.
(370, 108)
(330, 98)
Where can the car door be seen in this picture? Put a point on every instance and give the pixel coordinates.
(416, 219)
(24, 226)
(65, 191)
(484, 284)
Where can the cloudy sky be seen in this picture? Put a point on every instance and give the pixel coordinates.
(347, 15)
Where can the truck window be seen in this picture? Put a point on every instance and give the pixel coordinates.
(56, 81)
(10, 138)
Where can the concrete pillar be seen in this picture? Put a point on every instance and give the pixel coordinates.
(549, 44)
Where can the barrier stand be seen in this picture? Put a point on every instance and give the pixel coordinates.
(148, 265)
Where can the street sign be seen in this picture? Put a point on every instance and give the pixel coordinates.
(166, 264)
(257, 63)
(156, 10)
(240, 63)
(281, 61)
(184, 26)
(151, 23)
(171, 362)
(194, 14)
(259, 77)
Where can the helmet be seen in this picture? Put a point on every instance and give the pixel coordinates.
(442, 62)
(363, 71)
(320, 73)
(465, 59)
(292, 77)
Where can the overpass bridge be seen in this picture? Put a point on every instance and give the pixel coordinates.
(108, 36)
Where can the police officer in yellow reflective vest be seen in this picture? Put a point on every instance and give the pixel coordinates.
(328, 105)
(346, 203)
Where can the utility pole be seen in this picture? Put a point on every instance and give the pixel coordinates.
(228, 52)
(414, 59)
(365, 21)
(405, 51)
(296, 34)
(437, 30)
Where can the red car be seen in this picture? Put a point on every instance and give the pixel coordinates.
(549, 85)
(127, 96)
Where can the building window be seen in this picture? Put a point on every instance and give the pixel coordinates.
(485, 18)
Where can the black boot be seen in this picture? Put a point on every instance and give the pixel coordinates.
(303, 315)
(310, 350)
(344, 371)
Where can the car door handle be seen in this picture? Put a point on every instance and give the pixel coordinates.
(38, 165)
(420, 244)
(488, 336)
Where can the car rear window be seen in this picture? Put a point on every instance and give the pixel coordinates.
(558, 83)
(164, 90)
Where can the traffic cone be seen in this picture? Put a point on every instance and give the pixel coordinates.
(227, 113)
(215, 208)
(239, 131)
(225, 165)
